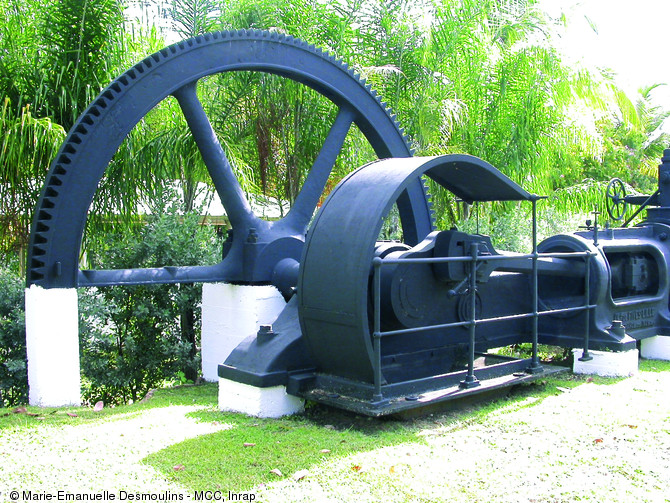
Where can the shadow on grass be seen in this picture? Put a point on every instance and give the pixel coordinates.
(249, 451)
(203, 395)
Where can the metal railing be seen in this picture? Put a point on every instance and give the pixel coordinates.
(472, 322)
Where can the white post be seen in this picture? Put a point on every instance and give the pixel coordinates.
(231, 313)
(655, 348)
(606, 363)
(52, 345)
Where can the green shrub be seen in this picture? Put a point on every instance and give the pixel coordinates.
(134, 338)
(13, 368)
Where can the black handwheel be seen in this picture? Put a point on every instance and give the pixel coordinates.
(615, 199)
(257, 245)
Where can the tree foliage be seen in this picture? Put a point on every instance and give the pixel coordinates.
(55, 59)
(13, 369)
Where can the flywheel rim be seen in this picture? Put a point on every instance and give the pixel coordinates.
(341, 247)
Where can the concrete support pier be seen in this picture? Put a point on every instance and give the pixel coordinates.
(655, 348)
(259, 402)
(606, 363)
(230, 314)
(52, 345)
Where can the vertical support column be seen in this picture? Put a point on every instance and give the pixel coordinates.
(471, 380)
(535, 367)
(52, 345)
(231, 313)
(586, 356)
(376, 333)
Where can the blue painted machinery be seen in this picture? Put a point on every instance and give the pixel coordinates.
(371, 326)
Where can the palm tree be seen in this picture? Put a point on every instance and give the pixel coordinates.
(50, 69)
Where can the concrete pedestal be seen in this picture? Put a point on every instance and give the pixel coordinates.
(52, 344)
(258, 402)
(607, 364)
(231, 313)
(655, 348)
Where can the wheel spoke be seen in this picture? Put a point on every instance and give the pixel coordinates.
(316, 180)
(227, 186)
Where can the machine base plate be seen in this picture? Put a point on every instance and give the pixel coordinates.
(444, 388)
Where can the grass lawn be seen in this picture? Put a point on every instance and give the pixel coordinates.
(179, 441)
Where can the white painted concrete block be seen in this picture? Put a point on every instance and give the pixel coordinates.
(257, 402)
(52, 344)
(607, 363)
(231, 313)
(655, 348)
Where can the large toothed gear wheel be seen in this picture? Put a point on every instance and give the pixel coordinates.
(175, 71)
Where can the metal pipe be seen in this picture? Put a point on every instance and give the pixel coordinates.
(441, 260)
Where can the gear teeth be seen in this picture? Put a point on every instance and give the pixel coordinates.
(429, 201)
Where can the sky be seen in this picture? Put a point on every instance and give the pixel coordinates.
(632, 38)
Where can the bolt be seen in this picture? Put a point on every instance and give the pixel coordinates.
(265, 330)
(618, 328)
(252, 237)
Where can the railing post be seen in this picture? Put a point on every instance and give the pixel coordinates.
(376, 334)
(587, 316)
(535, 367)
(471, 380)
